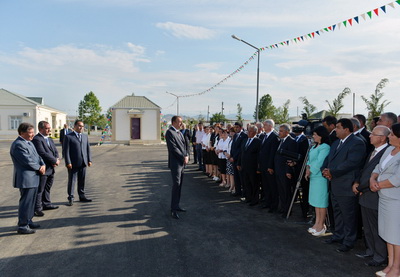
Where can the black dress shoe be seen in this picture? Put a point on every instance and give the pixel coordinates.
(181, 210)
(25, 231)
(344, 248)
(39, 213)
(175, 215)
(375, 263)
(363, 255)
(70, 202)
(50, 207)
(33, 225)
(332, 241)
(85, 199)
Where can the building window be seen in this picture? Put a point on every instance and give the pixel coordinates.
(15, 121)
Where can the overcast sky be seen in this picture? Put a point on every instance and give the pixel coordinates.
(62, 49)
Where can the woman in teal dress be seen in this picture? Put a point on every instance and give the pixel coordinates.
(318, 195)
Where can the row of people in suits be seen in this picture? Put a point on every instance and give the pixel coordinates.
(35, 158)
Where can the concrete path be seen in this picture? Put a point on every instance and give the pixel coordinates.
(127, 229)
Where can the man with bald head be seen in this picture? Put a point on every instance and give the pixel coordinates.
(375, 246)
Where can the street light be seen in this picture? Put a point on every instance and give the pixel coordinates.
(177, 101)
(258, 69)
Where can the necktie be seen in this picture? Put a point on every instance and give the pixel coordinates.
(373, 155)
(247, 143)
(80, 136)
(47, 141)
(280, 144)
(265, 138)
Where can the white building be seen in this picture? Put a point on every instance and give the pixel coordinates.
(15, 109)
(136, 120)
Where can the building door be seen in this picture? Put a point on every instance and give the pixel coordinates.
(135, 128)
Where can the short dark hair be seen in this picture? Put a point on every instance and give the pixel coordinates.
(396, 129)
(238, 124)
(346, 124)
(77, 121)
(174, 118)
(375, 119)
(391, 116)
(42, 124)
(24, 127)
(361, 118)
(329, 120)
(323, 133)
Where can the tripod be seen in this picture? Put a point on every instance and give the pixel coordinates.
(303, 168)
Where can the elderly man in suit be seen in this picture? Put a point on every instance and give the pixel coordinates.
(28, 166)
(342, 167)
(48, 152)
(248, 165)
(77, 157)
(269, 145)
(178, 157)
(376, 246)
(284, 173)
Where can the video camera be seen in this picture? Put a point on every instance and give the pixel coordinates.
(306, 125)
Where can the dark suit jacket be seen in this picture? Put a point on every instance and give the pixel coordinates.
(186, 135)
(26, 162)
(249, 156)
(368, 198)
(280, 161)
(332, 137)
(48, 153)
(236, 147)
(177, 150)
(345, 164)
(62, 134)
(268, 151)
(76, 152)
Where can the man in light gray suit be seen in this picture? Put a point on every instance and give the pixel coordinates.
(376, 246)
(28, 166)
(178, 157)
(77, 157)
(342, 167)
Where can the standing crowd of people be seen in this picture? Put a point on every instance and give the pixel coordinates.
(351, 176)
(35, 158)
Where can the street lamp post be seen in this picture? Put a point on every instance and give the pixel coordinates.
(258, 70)
(177, 101)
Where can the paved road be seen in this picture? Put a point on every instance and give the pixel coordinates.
(127, 229)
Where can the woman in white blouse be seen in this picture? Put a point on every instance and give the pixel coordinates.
(220, 150)
(229, 165)
(386, 180)
(205, 143)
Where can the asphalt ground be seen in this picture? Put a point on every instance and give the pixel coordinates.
(127, 229)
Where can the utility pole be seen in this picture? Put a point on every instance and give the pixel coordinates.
(222, 110)
(208, 113)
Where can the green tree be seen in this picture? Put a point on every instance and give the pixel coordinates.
(374, 105)
(337, 103)
(89, 110)
(217, 118)
(309, 108)
(266, 109)
(239, 113)
(282, 113)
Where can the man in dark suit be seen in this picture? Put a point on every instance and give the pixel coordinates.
(269, 146)
(28, 166)
(236, 148)
(364, 132)
(193, 142)
(48, 152)
(63, 132)
(284, 173)
(342, 167)
(186, 135)
(77, 157)
(376, 246)
(329, 123)
(178, 157)
(248, 165)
